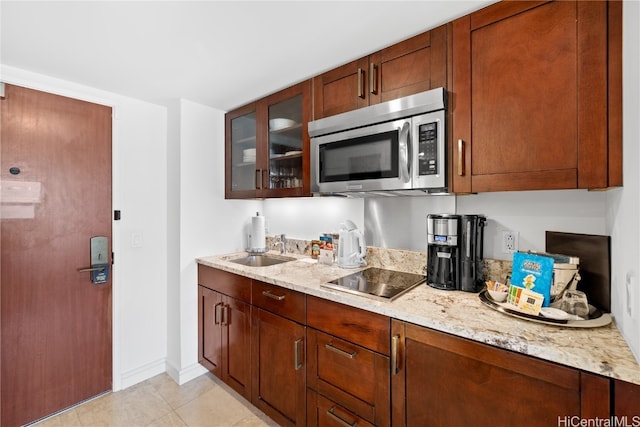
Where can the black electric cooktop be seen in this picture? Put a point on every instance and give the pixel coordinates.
(376, 283)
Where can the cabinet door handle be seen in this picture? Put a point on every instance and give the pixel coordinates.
(258, 179)
(297, 357)
(225, 315)
(460, 157)
(330, 346)
(360, 83)
(216, 313)
(273, 296)
(373, 79)
(395, 348)
(333, 415)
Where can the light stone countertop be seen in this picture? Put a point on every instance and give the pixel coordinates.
(600, 350)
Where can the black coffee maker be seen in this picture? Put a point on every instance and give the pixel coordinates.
(455, 251)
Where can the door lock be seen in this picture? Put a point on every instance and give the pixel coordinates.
(99, 260)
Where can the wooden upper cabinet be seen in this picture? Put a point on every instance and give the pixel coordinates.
(533, 85)
(267, 146)
(414, 65)
(341, 89)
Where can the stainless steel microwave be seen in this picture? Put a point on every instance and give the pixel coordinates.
(393, 148)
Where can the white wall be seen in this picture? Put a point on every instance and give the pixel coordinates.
(139, 179)
(400, 222)
(623, 211)
(140, 287)
(309, 217)
(531, 213)
(208, 224)
(173, 185)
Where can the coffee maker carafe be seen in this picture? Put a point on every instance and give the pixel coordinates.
(472, 252)
(443, 252)
(455, 252)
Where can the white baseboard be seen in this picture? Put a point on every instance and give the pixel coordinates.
(185, 375)
(158, 367)
(135, 376)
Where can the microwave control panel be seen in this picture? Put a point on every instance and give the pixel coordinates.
(428, 149)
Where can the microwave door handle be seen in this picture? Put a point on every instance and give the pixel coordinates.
(405, 152)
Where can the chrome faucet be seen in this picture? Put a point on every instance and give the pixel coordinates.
(282, 242)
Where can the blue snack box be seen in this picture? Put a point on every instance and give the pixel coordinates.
(533, 272)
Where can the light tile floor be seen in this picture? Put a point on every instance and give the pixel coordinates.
(160, 402)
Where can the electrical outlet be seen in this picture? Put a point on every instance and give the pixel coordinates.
(509, 242)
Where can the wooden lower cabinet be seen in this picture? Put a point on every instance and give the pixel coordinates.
(353, 376)
(225, 340)
(347, 365)
(627, 402)
(278, 368)
(439, 379)
(210, 334)
(323, 412)
(304, 360)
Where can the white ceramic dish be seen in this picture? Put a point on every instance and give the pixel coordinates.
(554, 313)
(497, 296)
(277, 124)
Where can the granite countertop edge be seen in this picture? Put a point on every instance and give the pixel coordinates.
(601, 350)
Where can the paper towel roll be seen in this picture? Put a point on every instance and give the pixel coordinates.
(258, 232)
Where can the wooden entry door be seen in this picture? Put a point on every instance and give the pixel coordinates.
(56, 194)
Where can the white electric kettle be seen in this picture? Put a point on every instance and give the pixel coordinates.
(351, 246)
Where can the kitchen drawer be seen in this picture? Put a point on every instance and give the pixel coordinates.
(370, 330)
(224, 282)
(356, 378)
(285, 302)
(322, 412)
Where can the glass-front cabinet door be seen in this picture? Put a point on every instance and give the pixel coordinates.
(268, 146)
(242, 145)
(285, 144)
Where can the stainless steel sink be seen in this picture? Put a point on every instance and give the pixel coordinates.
(262, 260)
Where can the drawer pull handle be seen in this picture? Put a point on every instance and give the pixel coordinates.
(333, 415)
(273, 296)
(297, 358)
(341, 352)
